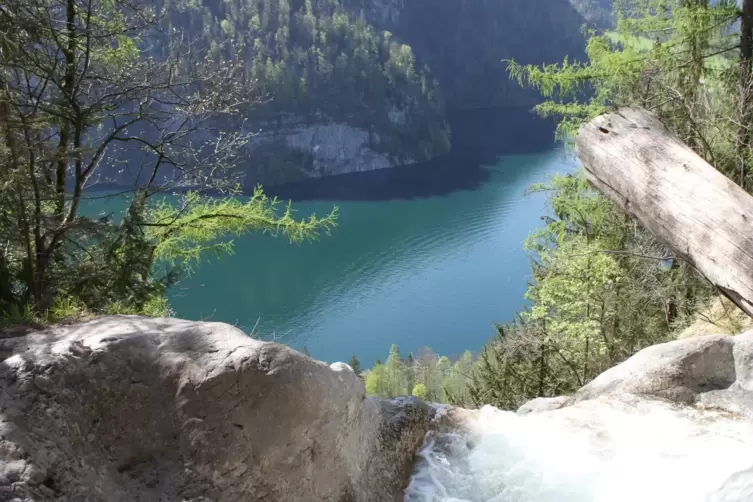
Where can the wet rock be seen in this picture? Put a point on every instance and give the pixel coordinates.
(542, 404)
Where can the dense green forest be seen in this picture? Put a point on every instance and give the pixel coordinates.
(321, 60)
(353, 59)
(384, 67)
(603, 287)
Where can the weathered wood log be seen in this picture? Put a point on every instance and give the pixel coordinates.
(633, 159)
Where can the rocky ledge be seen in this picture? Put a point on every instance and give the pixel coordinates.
(713, 371)
(134, 409)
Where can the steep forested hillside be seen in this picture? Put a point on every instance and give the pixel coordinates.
(387, 69)
(322, 59)
(465, 43)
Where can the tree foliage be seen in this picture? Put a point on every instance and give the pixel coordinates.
(603, 287)
(427, 376)
(78, 88)
(674, 57)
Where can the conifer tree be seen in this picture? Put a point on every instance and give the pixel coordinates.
(355, 364)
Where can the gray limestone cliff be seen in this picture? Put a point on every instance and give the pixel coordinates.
(293, 149)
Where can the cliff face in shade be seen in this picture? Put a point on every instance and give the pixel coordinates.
(466, 42)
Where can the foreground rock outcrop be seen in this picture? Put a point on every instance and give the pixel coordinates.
(133, 409)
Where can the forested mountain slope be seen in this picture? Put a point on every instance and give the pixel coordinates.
(365, 84)
(465, 43)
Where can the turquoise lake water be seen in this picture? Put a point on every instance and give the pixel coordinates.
(434, 270)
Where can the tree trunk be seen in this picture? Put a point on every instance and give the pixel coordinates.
(746, 40)
(542, 369)
(745, 105)
(703, 216)
(692, 71)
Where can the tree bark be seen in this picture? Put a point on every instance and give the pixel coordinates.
(746, 90)
(746, 40)
(633, 159)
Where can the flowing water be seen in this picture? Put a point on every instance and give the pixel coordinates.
(595, 451)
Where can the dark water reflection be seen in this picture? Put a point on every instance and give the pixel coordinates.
(479, 137)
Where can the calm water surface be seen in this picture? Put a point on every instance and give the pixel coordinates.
(433, 271)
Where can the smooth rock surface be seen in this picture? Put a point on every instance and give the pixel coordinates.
(542, 404)
(714, 371)
(132, 409)
(678, 371)
(333, 148)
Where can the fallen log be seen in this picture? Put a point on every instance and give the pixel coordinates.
(634, 160)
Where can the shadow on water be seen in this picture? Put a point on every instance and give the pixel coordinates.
(479, 138)
(438, 177)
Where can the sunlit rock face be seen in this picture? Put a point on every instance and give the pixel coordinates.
(672, 423)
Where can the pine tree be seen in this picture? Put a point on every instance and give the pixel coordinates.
(355, 364)
(395, 374)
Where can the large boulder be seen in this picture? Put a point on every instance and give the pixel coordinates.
(133, 409)
(713, 371)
